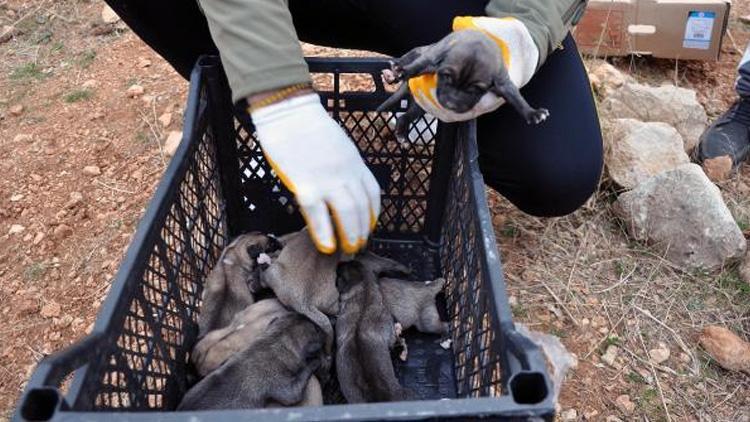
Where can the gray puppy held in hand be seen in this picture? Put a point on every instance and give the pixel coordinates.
(468, 64)
(413, 303)
(227, 290)
(246, 328)
(274, 369)
(365, 335)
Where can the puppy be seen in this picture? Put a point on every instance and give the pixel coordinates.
(468, 65)
(305, 280)
(246, 328)
(276, 368)
(227, 290)
(413, 303)
(312, 396)
(364, 337)
(381, 266)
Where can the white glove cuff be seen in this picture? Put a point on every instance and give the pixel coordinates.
(308, 104)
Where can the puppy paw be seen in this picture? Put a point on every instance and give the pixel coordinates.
(537, 116)
(389, 76)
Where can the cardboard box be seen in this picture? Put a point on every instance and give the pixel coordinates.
(676, 29)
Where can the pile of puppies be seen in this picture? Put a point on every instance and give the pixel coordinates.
(278, 350)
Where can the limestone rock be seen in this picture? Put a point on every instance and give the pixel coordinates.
(683, 214)
(625, 405)
(173, 141)
(606, 77)
(92, 170)
(16, 110)
(610, 355)
(637, 150)
(62, 231)
(718, 169)
(667, 103)
(109, 15)
(50, 310)
(659, 355)
(16, 229)
(727, 349)
(135, 91)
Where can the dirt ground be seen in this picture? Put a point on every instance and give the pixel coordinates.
(80, 159)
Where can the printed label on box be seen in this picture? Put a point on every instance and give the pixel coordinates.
(698, 30)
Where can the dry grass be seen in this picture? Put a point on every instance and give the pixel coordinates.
(621, 292)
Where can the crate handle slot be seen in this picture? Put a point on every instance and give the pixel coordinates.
(529, 387)
(40, 404)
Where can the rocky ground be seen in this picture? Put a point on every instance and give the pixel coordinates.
(86, 113)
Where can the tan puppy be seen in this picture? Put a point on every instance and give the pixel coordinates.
(275, 368)
(312, 396)
(247, 327)
(412, 303)
(226, 292)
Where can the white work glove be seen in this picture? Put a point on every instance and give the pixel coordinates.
(520, 54)
(316, 160)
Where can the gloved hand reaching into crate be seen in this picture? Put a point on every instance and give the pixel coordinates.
(319, 164)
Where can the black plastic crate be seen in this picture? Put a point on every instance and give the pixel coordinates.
(435, 219)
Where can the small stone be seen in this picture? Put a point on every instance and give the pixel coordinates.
(16, 110)
(569, 415)
(16, 229)
(96, 115)
(89, 84)
(50, 310)
(92, 170)
(137, 175)
(109, 15)
(75, 199)
(22, 138)
(135, 91)
(624, 404)
(613, 419)
(590, 414)
(744, 19)
(165, 119)
(62, 231)
(728, 349)
(17, 197)
(512, 301)
(610, 355)
(38, 238)
(718, 169)
(144, 62)
(148, 99)
(173, 141)
(446, 344)
(659, 355)
(27, 238)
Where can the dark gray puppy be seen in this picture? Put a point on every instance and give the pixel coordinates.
(275, 369)
(365, 335)
(246, 328)
(412, 303)
(468, 65)
(304, 280)
(227, 290)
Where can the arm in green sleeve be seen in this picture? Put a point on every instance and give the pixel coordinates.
(548, 21)
(257, 43)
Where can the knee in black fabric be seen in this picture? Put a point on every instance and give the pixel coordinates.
(552, 186)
